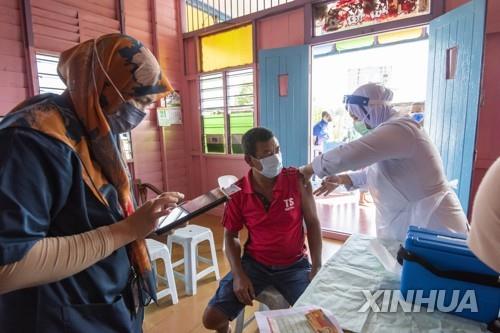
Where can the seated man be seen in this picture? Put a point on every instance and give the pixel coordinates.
(272, 205)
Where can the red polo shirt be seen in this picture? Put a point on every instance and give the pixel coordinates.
(276, 237)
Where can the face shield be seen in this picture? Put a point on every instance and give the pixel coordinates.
(361, 101)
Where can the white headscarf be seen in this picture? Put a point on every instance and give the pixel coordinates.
(379, 109)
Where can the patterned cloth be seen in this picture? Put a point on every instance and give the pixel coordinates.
(137, 75)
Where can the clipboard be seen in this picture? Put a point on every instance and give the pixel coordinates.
(192, 208)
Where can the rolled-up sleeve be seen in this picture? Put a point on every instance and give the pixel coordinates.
(389, 141)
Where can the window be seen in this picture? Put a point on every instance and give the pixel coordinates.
(228, 48)
(227, 110)
(200, 14)
(48, 79)
(340, 15)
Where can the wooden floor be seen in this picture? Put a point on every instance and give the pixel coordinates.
(185, 317)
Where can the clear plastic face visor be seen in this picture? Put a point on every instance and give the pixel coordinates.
(361, 101)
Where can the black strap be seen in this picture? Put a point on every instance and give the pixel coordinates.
(482, 279)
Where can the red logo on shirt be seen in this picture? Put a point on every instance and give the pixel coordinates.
(289, 204)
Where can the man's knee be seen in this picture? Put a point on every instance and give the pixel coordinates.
(214, 319)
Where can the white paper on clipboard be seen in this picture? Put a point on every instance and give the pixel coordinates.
(290, 320)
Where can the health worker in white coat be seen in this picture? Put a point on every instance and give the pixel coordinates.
(399, 165)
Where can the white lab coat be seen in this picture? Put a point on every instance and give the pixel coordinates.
(404, 173)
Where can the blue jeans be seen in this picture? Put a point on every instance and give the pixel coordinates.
(290, 281)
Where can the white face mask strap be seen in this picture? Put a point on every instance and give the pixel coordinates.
(104, 71)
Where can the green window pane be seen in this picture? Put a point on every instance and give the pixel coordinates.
(240, 122)
(214, 134)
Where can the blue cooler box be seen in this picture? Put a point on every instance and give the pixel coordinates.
(443, 262)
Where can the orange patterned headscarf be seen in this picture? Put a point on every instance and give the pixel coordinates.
(100, 74)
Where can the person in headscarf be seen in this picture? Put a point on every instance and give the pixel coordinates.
(397, 162)
(72, 250)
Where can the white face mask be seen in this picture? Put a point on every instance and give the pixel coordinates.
(271, 166)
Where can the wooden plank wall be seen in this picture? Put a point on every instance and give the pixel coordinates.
(61, 24)
(171, 58)
(146, 139)
(280, 30)
(151, 143)
(13, 85)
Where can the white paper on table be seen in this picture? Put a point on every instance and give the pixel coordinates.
(292, 314)
(386, 259)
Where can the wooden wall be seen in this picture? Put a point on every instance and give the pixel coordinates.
(171, 59)
(13, 85)
(281, 30)
(58, 25)
(55, 25)
(287, 29)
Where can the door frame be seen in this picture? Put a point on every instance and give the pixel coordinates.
(437, 9)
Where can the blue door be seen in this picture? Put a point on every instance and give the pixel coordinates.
(284, 100)
(454, 80)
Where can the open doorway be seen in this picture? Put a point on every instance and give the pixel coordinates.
(396, 59)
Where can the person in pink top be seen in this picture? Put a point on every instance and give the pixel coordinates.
(272, 205)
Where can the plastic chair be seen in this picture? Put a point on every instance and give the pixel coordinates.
(159, 251)
(189, 238)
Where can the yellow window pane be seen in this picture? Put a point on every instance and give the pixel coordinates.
(400, 35)
(227, 49)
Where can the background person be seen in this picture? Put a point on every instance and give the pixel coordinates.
(320, 130)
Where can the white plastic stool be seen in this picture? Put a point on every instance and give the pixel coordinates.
(189, 238)
(158, 250)
(270, 299)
